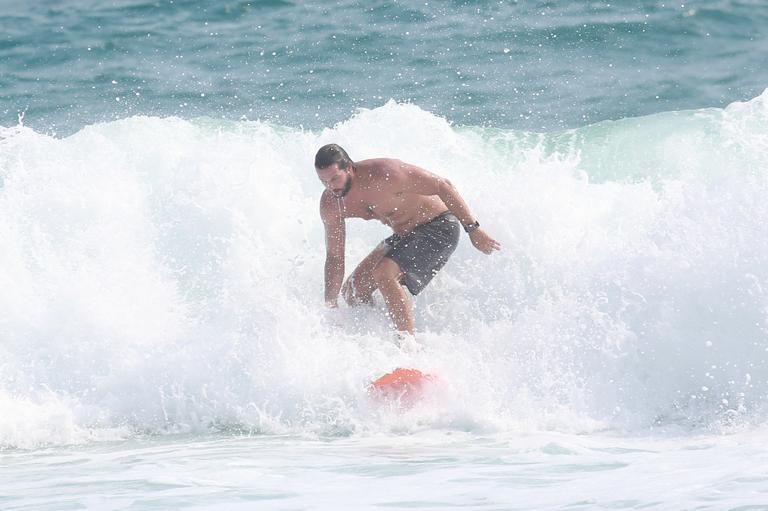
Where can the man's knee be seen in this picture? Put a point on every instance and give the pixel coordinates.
(386, 271)
(355, 292)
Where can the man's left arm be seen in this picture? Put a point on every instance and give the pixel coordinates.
(423, 182)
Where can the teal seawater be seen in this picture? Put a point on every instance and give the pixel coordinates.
(530, 65)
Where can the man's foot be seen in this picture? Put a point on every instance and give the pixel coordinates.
(407, 342)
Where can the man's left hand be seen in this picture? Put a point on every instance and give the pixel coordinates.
(483, 242)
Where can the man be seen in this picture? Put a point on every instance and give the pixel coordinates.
(424, 211)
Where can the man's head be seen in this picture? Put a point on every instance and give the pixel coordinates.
(334, 168)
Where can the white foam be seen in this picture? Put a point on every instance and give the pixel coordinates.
(166, 275)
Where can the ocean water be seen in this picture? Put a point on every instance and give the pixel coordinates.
(537, 65)
(163, 342)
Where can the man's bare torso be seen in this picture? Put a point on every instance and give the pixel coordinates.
(378, 193)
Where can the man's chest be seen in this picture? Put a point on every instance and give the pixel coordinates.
(380, 204)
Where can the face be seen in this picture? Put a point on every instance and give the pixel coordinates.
(336, 179)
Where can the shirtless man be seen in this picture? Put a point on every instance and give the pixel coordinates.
(425, 212)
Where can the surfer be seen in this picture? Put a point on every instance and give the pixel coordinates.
(424, 210)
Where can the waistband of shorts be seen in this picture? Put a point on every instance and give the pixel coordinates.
(445, 214)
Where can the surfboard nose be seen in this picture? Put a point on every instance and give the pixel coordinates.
(402, 385)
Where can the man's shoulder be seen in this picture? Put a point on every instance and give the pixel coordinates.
(328, 203)
(380, 168)
(332, 209)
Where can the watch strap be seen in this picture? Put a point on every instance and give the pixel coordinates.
(470, 228)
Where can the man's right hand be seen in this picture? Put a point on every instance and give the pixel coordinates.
(332, 304)
(348, 291)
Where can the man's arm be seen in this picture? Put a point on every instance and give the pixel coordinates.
(423, 182)
(335, 236)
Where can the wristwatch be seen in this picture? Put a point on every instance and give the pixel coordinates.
(470, 228)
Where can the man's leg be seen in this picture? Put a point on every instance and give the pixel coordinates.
(387, 275)
(359, 287)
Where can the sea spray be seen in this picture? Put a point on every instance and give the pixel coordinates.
(164, 275)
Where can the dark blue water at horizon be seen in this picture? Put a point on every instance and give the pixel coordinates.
(536, 66)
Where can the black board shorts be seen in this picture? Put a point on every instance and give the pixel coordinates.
(421, 253)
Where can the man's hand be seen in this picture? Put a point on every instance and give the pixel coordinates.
(483, 242)
(332, 304)
(347, 291)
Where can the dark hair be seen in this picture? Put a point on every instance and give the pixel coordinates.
(330, 154)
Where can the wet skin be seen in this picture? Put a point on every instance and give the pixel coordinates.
(401, 196)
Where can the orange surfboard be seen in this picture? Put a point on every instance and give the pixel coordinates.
(402, 386)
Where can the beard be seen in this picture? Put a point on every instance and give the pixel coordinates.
(341, 192)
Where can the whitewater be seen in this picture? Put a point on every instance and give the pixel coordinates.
(164, 344)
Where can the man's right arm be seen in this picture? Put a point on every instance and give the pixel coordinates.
(335, 236)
